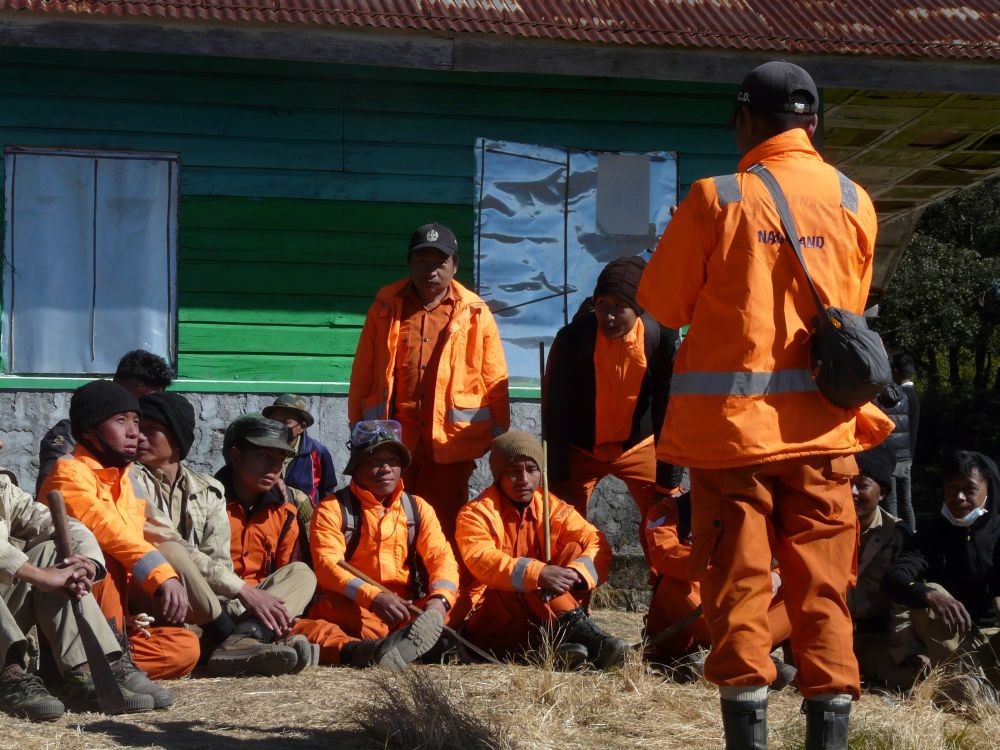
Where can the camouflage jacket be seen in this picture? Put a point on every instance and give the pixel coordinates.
(25, 524)
(193, 511)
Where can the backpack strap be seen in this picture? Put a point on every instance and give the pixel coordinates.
(289, 520)
(350, 513)
(418, 582)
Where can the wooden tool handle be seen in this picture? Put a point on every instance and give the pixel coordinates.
(57, 507)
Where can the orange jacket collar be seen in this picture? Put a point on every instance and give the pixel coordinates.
(104, 473)
(368, 498)
(532, 510)
(791, 141)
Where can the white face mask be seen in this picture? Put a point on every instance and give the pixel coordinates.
(968, 519)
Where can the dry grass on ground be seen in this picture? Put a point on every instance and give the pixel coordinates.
(503, 708)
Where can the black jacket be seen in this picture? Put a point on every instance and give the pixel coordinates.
(570, 393)
(964, 561)
(895, 402)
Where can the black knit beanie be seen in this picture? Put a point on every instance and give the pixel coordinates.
(878, 463)
(175, 413)
(621, 278)
(94, 402)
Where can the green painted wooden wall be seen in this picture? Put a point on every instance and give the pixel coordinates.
(300, 184)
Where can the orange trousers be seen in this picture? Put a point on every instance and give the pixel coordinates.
(635, 467)
(334, 621)
(673, 599)
(510, 623)
(444, 486)
(169, 652)
(799, 511)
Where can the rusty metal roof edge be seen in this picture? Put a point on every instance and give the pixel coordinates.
(614, 32)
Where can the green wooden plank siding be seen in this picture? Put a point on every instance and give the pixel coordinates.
(300, 184)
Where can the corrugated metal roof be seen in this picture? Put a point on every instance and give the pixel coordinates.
(968, 29)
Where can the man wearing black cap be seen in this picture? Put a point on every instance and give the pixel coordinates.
(884, 641)
(94, 481)
(430, 358)
(138, 372)
(607, 383)
(770, 458)
(263, 545)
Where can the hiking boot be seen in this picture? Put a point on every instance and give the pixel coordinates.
(128, 675)
(306, 652)
(24, 695)
(569, 657)
(745, 724)
(827, 723)
(603, 650)
(79, 692)
(242, 654)
(399, 648)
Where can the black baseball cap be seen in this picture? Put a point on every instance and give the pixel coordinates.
(779, 86)
(437, 236)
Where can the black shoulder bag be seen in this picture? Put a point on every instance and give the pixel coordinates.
(849, 362)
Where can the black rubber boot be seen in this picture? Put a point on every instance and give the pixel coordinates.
(826, 723)
(603, 650)
(745, 724)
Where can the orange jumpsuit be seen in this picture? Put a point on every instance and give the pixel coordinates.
(743, 404)
(343, 611)
(443, 375)
(504, 548)
(104, 501)
(261, 543)
(676, 595)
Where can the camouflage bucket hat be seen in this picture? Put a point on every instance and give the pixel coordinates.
(257, 430)
(293, 403)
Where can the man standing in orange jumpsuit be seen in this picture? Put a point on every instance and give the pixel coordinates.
(393, 538)
(94, 481)
(430, 358)
(520, 594)
(667, 528)
(771, 460)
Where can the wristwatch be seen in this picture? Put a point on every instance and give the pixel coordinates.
(447, 606)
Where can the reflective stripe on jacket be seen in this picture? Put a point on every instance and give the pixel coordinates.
(472, 404)
(488, 548)
(742, 392)
(382, 552)
(105, 502)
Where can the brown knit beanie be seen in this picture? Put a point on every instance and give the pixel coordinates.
(621, 278)
(511, 446)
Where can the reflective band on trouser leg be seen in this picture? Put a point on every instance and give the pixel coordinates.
(147, 564)
(741, 383)
(482, 414)
(517, 576)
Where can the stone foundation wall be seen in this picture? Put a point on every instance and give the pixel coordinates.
(27, 415)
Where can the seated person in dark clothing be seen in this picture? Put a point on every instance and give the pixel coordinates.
(884, 641)
(948, 575)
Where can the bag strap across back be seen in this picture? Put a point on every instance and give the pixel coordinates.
(788, 224)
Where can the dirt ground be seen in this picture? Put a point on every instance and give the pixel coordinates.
(519, 707)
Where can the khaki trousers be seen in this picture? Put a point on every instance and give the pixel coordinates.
(979, 648)
(294, 584)
(22, 606)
